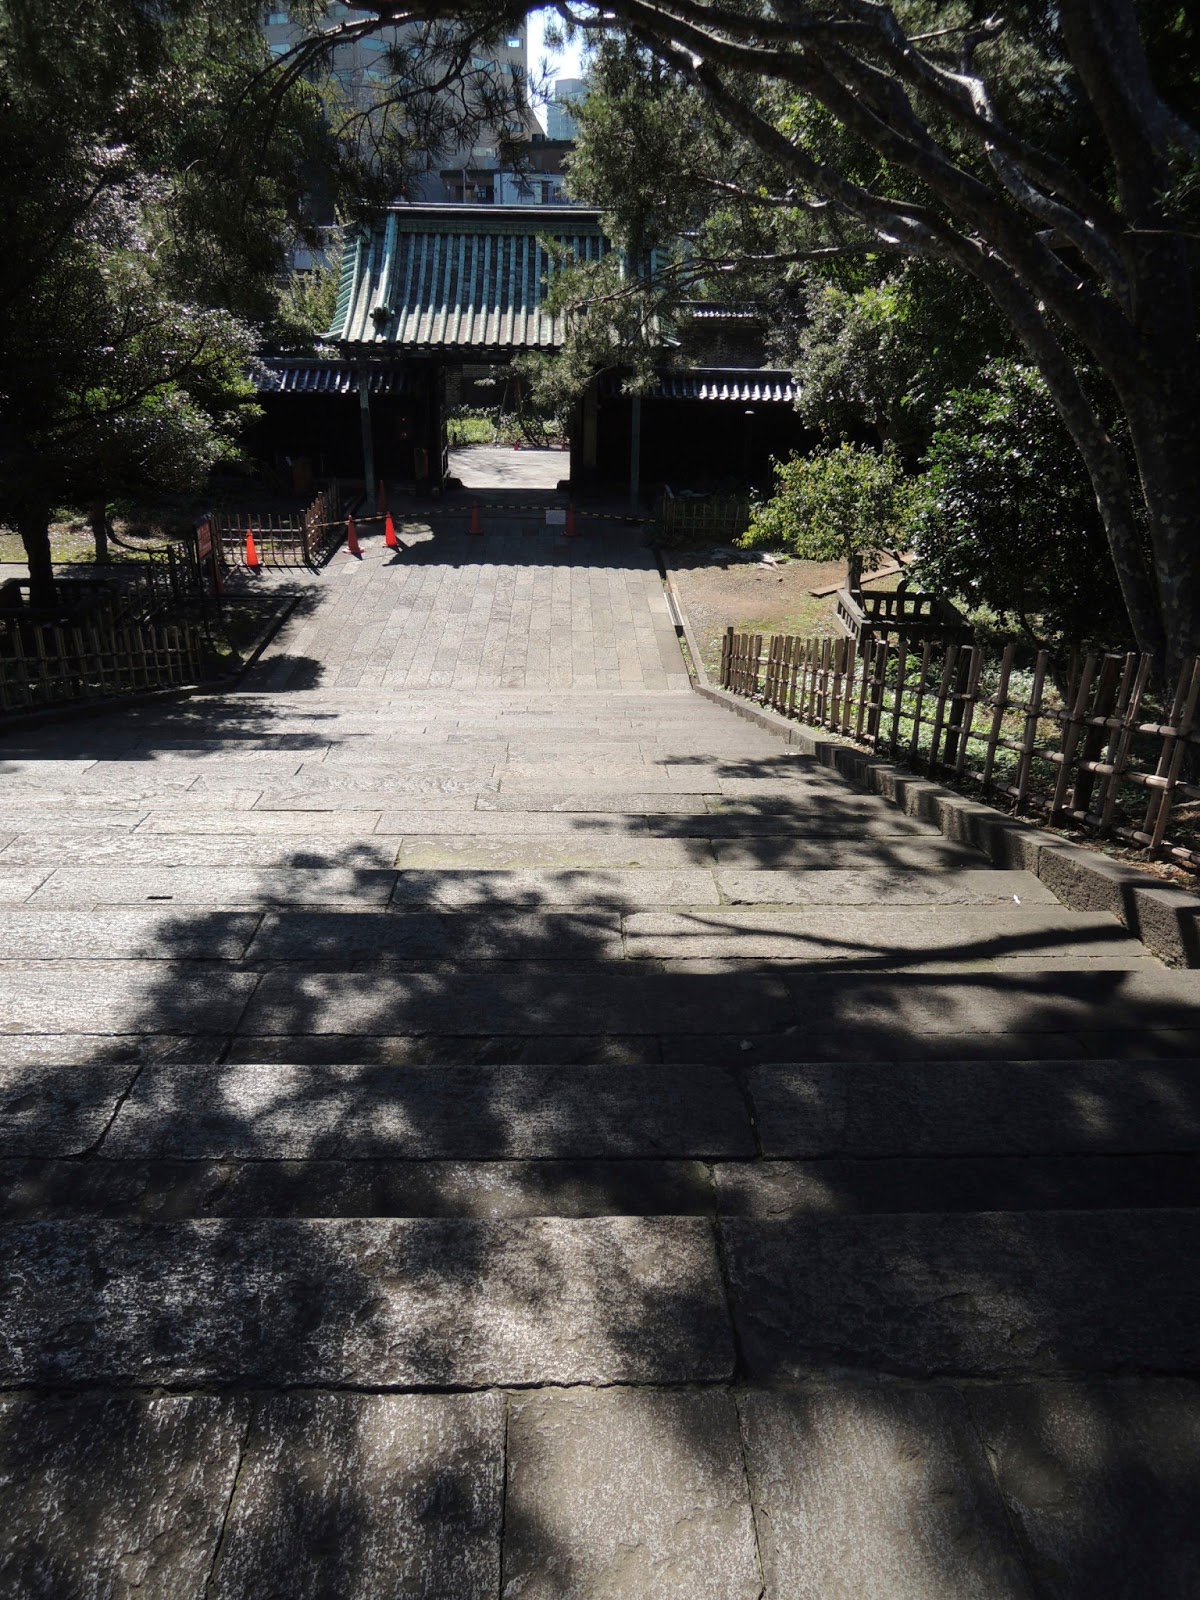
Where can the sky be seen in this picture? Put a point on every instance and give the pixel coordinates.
(562, 64)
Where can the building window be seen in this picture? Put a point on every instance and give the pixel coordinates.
(513, 43)
(277, 19)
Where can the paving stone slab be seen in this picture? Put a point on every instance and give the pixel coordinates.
(881, 887)
(1091, 1006)
(318, 777)
(123, 997)
(509, 825)
(991, 1294)
(876, 1493)
(58, 1111)
(31, 933)
(627, 1493)
(524, 999)
(910, 934)
(266, 1111)
(968, 1107)
(360, 799)
(381, 1303)
(437, 855)
(33, 1189)
(96, 1049)
(1101, 1482)
(768, 1188)
(925, 855)
(17, 883)
(110, 1496)
(739, 820)
(366, 938)
(530, 777)
(220, 886)
(596, 889)
(108, 848)
(193, 820)
(450, 1049)
(383, 1497)
(634, 803)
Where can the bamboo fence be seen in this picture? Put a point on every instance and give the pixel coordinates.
(282, 540)
(51, 664)
(1100, 756)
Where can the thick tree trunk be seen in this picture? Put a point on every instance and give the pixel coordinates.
(34, 526)
(1167, 446)
(98, 517)
(854, 566)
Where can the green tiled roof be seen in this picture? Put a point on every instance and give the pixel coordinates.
(430, 278)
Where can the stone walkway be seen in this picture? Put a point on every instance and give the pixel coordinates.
(522, 606)
(553, 1142)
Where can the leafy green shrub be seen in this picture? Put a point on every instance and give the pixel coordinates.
(843, 503)
(1009, 520)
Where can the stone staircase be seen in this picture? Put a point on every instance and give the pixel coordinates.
(568, 1146)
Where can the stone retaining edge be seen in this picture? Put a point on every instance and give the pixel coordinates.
(1165, 919)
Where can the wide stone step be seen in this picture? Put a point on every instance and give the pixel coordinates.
(833, 1489)
(379, 1304)
(784, 1112)
(453, 1303)
(171, 1189)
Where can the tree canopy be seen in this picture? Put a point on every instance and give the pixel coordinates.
(153, 181)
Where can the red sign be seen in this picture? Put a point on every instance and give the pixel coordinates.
(204, 539)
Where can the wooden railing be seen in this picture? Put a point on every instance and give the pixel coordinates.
(1095, 752)
(899, 611)
(304, 539)
(52, 664)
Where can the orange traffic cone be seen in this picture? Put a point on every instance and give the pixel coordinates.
(571, 530)
(389, 534)
(381, 499)
(352, 543)
(476, 524)
(252, 560)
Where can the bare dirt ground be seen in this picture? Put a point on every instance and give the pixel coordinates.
(753, 597)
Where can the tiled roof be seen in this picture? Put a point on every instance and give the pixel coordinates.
(310, 375)
(747, 385)
(458, 277)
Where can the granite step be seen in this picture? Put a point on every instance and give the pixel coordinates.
(420, 1303)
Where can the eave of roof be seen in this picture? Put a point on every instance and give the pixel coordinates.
(744, 385)
(461, 278)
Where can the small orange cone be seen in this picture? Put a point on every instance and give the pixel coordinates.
(352, 543)
(571, 531)
(381, 499)
(252, 560)
(389, 534)
(476, 524)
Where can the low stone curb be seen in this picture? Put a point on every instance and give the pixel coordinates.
(1166, 920)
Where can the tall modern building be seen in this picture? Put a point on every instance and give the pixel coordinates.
(472, 175)
(560, 112)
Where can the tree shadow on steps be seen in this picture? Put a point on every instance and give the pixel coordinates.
(331, 1396)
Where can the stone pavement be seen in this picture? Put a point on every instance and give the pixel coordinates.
(555, 1141)
(521, 606)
